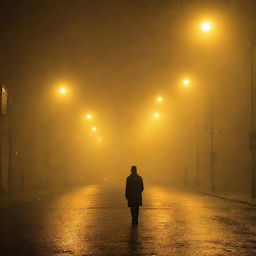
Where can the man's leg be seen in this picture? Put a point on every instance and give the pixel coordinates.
(133, 214)
(137, 209)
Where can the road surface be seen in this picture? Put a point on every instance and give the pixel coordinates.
(94, 220)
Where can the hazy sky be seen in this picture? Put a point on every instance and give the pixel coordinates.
(118, 55)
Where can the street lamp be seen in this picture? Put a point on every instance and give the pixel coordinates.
(88, 116)
(60, 92)
(63, 90)
(186, 82)
(206, 26)
(159, 99)
(156, 115)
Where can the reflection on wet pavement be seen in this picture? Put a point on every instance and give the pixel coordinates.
(94, 220)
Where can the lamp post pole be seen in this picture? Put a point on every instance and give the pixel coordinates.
(253, 174)
(212, 155)
(197, 165)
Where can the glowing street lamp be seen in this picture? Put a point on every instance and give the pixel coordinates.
(206, 26)
(89, 116)
(159, 99)
(186, 82)
(156, 115)
(94, 129)
(63, 90)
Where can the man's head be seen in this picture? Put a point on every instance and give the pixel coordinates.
(134, 169)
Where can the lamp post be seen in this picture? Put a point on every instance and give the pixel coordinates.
(212, 152)
(206, 27)
(187, 83)
(253, 133)
(197, 164)
(62, 91)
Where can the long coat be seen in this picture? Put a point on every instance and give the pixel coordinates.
(133, 190)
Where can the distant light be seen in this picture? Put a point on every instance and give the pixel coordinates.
(62, 90)
(159, 99)
(89, 116)
(206, 26)
(186, 82)
(156, 115)
(94, 129)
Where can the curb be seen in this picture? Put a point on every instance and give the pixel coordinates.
(25, 201)
(228, 198)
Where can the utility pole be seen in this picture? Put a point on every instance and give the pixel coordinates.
(212, 153)
(252, 133)
(10, 141)
(3, 133)
(1, 143)
(48, 156)
(185, 177)
(197, 164)
(10, 157)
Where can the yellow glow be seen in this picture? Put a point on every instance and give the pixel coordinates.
(99, 139)
(89, 116)
(159, 99)
(63, 90)
(206, 26)
(94, 129)
(156, 115)
(186, 82)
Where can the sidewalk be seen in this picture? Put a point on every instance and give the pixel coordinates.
(236, 197)
(22, 198)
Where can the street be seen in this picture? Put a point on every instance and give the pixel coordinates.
(94, 220)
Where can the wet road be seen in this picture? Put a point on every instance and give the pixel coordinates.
(94, 220)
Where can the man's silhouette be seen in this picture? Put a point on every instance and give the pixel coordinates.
(133, 193)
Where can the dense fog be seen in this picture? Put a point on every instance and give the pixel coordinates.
(97, 86)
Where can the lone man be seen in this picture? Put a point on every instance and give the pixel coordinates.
(133, 193)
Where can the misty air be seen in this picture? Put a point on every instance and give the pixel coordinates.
(127, 127)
